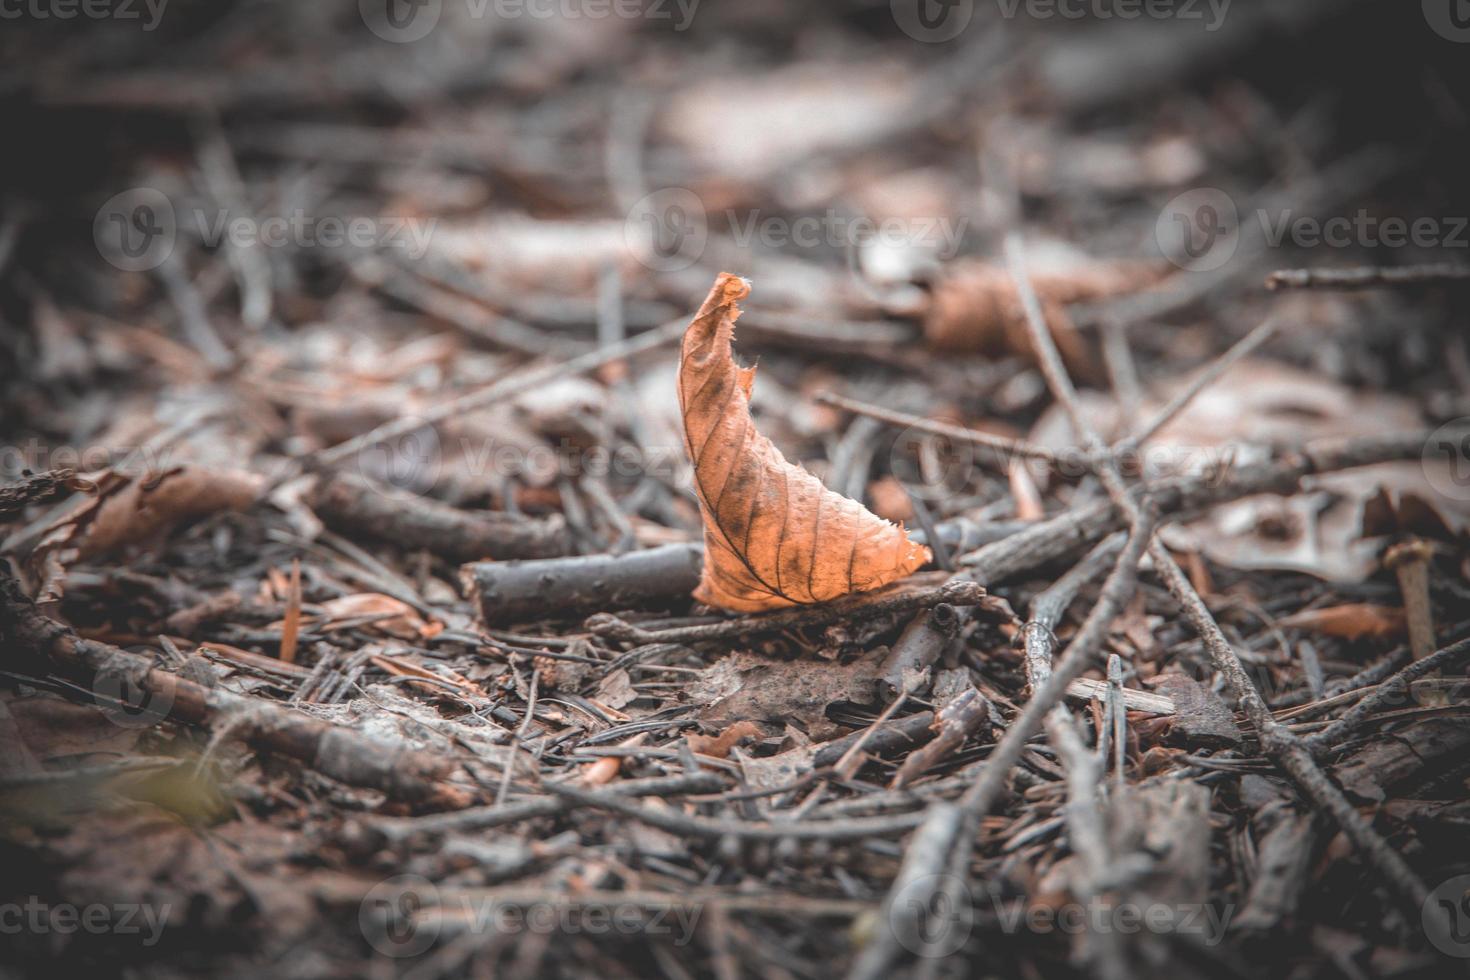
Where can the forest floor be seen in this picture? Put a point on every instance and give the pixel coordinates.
(349, 534)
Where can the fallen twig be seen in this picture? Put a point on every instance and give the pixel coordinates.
(357, 504)
(895, 600)
(1366, 277)
(343, 754)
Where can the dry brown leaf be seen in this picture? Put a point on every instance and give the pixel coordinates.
(974, 306)
(774, 536)
(151, 505)
(747, 687)
(1350, 622)
(125, 509)
(602, 772)
(719, 746)
(616, 690)
(388, 615)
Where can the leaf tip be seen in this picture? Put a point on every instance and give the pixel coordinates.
(730, 289)
(713, 326)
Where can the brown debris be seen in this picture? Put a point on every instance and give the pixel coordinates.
(973, 307)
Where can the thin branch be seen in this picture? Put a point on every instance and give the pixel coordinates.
(502, 390)
(973, 437)
(1203, 380)
(1277, 743)
(1366, 277)
(1388, 694)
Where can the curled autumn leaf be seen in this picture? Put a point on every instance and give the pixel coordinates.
(774, 535)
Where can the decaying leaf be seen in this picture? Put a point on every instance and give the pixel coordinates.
(974, 306)
(719, 746)
(126, 509)
(773, 535)
(151, 505)
(1350, 622)
(382, 612)
(747, 687)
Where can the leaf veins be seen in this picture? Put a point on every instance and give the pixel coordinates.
(774, 535)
